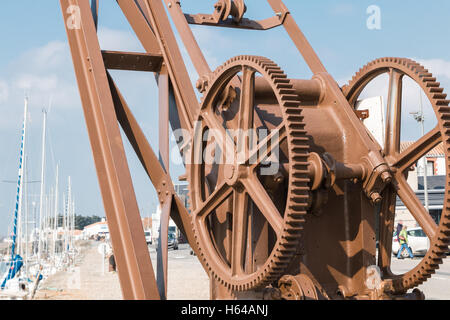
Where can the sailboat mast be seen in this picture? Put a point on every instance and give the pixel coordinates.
(25, 199)
(41, 202)
(69, 213)
(55, 222)
(18, 208)
(65, 223)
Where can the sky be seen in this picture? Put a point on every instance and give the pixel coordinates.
(35, 61)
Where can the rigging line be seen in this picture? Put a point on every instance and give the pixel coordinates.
(52, 153)
(10, 181)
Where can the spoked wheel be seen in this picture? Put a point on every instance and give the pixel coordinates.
(248, 218)
(401, 161)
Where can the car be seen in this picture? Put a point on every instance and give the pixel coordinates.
(417, 240)
(173, 241)
(148, 237)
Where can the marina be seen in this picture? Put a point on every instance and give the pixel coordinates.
(43, 244)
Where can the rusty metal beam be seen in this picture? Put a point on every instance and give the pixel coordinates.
(127, 235)
(132, 61)
(187, 103)
(151, 164)
(94, 8)
(164, 103)
(260, 25)
(298, 37)
(140, 25)
(171, 206)
(151, 24)
(187, 36)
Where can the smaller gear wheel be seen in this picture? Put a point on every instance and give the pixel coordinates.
(299, 287)
(401, 160)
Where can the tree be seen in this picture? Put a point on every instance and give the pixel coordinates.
(80, 221)
(83, 221)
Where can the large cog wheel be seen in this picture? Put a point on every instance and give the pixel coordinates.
(400, 162)
(226, 198)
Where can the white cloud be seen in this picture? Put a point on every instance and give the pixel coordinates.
(40, 83)
(118, 40)
(438, 67)
(51, 57)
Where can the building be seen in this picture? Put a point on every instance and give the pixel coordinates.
(96, 229)
(156, 218)
(435, 160)
(182, 192)
(435, 165)
(77, 235)
(101, 228)
(147, 223)
(436, 176)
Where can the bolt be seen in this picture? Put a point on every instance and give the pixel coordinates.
(376, 197)
(386, 177)
(278, 178)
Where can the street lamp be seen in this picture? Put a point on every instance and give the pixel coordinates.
(420, 117)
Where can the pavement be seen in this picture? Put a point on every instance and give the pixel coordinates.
(437, 287)
(90, 279)
(186, 278)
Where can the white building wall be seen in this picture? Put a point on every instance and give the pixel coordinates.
(440, 166)
(156, 222)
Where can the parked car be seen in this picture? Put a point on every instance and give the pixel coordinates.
(173, 241)
(148, 237)
(417, 241)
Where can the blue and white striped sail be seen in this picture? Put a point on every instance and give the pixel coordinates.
(18, 208)
(17, 261)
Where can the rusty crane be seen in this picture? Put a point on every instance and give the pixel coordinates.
(302, 229)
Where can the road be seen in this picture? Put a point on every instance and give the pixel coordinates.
(186, 278)
(437, 287)
(90, 281)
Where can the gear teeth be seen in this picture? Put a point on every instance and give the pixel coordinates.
(439, 244)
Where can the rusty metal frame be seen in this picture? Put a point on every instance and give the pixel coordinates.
(105, 109)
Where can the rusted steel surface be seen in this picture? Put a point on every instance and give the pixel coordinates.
(400, 162)
(288, 203)
(132, 61)
(124, 221)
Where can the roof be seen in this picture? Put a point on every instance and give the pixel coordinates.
(146, 222)
(75, 233)
(95, 224)
(438, 151)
